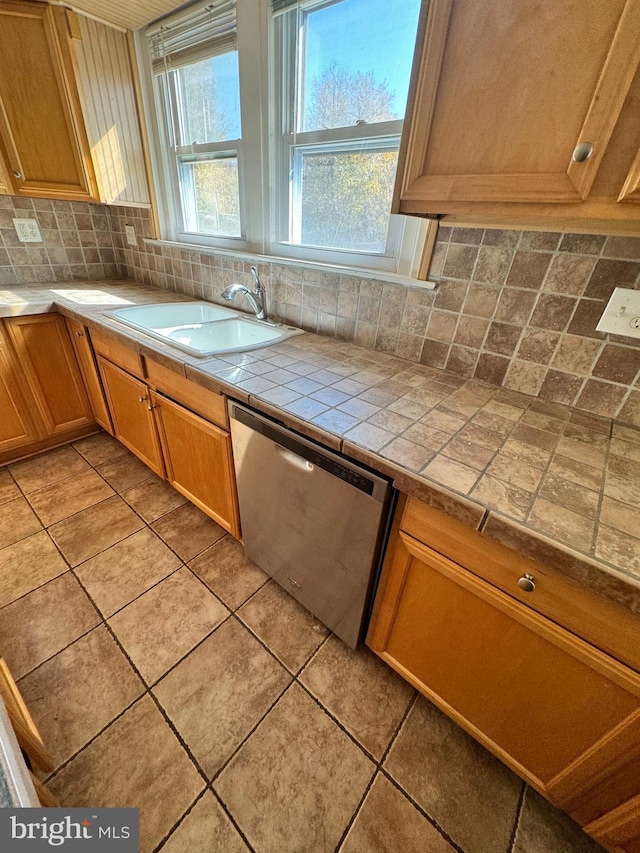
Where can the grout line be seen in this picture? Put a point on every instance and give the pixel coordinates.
(434, 823)
(516, 822)
(175, 826)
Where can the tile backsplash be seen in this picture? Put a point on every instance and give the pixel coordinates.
(77, 242)
(513, 308)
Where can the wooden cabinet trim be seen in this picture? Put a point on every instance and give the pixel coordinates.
(631, 190)
(27, 734)
(619, 828)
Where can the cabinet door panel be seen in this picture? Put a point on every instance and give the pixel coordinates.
(199, 461)
(18, 427)
(44, 143)
(90, 375)
(130, 409)
(505, 92)
(47, 357)
(533, 693)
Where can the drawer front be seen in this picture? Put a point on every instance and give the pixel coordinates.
(124, 357)
(206, 403)
(536, 695)
(609, 626)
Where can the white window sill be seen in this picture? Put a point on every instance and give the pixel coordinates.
(377, 275)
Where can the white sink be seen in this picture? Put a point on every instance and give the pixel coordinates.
(168, 315)
(201, 328)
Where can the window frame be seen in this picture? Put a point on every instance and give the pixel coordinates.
(260, 164)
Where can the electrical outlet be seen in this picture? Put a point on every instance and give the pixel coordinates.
(28, 230)
(622, 314)
(130, 234)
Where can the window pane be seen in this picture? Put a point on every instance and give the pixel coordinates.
(344, 198)
(209, 190)
(208, 100)
(357, 62)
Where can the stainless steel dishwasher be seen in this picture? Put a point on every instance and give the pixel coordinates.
(311, 519)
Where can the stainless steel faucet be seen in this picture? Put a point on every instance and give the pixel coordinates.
(257, 297)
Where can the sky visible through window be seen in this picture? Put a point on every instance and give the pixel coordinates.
(361, 36)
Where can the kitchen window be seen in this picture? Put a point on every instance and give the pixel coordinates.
(280, 125)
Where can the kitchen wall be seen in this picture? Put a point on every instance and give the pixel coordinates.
(514, 308)
(77, 242)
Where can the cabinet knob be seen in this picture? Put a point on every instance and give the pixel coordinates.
(80, 334)
(17, 174)
(142, 399)
(582, 152)
(527, 583)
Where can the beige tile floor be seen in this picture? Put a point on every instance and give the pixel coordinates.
(166, 672)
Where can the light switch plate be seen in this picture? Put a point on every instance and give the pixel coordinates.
(622, 314)
(130, 234)
(28, 230)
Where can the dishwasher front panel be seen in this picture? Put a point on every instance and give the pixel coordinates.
(311, 519)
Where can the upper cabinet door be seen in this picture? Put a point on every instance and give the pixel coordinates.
(515, 100)
(42, 141)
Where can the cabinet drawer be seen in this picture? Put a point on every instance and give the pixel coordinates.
(125, 357)
(206, 403)
(541, 699)
(607, 625)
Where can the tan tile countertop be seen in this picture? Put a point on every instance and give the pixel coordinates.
(556, 484)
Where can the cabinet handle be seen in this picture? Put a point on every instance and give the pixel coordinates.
(17, 174)
(80, 334)
(527, 583)
(142, 399)
(582, 152)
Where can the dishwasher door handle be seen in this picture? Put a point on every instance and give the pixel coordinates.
(294, 459)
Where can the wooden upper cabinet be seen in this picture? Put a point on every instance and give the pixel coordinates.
(69, 119)
(525, 109)
(47, 358)
(42, 137)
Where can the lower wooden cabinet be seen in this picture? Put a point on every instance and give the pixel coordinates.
(42, 396)
(17, 426)
(176, 427)
(131, 412)
(44, 350)
(199, 461)
(560, 712)
(88, 368)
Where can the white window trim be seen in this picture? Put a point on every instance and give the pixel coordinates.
(257, 165)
